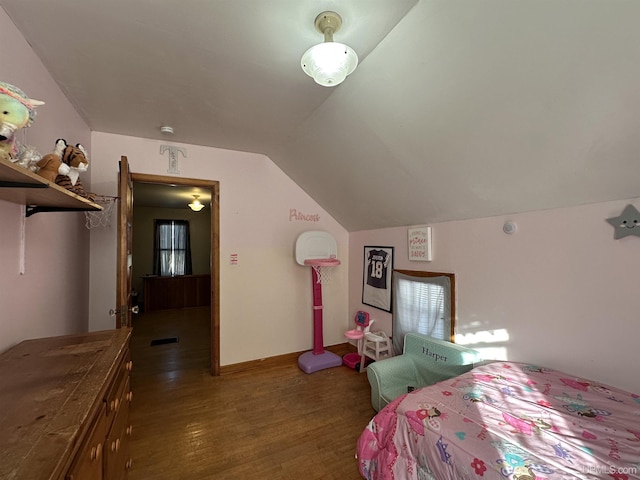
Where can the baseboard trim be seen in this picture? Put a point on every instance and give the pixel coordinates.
(280, 360)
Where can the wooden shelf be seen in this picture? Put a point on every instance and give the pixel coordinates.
(18, 185)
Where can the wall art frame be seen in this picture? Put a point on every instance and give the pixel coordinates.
(376, 277)
(419, 244)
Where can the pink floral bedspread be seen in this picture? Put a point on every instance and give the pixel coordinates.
(505, 420)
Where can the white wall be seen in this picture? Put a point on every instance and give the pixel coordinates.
(265, 301)
(51, 297)
(563, 289)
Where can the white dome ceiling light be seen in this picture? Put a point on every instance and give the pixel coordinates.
(196, 205)
(330, 62)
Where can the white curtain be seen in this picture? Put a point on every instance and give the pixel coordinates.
(420, 305)
(172, 248)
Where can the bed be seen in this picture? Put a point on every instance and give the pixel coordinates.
(505, 420)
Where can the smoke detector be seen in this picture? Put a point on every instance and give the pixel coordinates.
(166, 130)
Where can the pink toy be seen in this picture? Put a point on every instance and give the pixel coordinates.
(362, 320)
(318, 250)
(363, 323)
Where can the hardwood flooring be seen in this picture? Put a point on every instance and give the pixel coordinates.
(191, 326)
(265, 420)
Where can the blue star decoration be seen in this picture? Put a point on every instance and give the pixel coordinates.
(628, 223)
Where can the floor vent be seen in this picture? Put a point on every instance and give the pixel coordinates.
(164, 341)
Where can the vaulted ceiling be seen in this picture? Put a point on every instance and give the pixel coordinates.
(459, 108)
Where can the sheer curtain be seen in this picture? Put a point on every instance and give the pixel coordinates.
(421, 305)
(172, 248)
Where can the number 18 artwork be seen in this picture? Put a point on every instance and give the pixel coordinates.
(376, 285)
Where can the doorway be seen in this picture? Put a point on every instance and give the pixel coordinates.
(163, 192)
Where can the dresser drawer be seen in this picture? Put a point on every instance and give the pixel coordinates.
(88, 461)
(115, 393)
(116, 458)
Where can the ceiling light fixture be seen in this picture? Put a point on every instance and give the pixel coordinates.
(196, 206)
(330, 62)
(166, 130)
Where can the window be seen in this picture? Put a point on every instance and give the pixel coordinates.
(423, 302)
(172, 248)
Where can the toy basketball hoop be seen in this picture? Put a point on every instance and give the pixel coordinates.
(100, 218)
(318, 250)
(323, 268)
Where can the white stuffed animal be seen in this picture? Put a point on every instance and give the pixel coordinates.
(18, 111)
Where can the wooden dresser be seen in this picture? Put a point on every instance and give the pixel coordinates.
(176, 292)
(64, 407)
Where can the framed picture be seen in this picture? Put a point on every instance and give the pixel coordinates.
(376, 283)
(419, 246)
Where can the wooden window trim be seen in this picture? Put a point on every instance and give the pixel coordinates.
(452, 280)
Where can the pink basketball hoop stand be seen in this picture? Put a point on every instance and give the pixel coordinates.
(319, 358)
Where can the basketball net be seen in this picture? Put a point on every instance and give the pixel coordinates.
(323, 268)
(100, 218)
(323, 273)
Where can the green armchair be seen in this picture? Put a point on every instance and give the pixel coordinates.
(424, 361)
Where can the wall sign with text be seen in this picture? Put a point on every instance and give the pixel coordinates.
(420, 244)
(298, 216)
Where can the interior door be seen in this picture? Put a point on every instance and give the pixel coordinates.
(125, 248)
(125, 263)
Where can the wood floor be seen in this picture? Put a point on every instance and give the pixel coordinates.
(270, 422)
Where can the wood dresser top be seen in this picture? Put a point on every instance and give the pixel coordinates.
(50, 389)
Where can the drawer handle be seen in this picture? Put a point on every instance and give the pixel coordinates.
(129, 464)
(130, 397)
(129, 366)
(115, 445)
(114, 404)
(129, 430)
(96, 452)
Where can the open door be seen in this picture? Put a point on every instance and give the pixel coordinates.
(125, 249)
(125, 266)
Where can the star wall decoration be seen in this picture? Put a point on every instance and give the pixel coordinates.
(628, 223)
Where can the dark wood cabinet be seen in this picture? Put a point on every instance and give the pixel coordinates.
(64, 407)
(161, 293)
